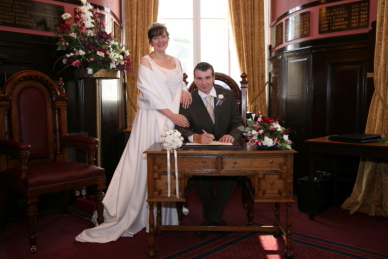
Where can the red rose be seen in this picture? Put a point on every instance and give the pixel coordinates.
(64, 27)
(266, 120)
(105, 35)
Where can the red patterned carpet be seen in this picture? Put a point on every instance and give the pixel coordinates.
(333, 234)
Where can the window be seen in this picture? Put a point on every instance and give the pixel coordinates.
(200, 31)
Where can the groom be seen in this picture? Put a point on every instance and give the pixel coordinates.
(213, 115)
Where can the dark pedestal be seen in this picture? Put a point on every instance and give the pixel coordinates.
(323, 194)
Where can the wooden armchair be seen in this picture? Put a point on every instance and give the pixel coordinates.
(225, 81)
(34, 143)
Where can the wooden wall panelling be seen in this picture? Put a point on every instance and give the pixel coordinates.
(346, 88)
(275, 89)
(321, 90)
(342, 93)
(297, 106)
(28, 52)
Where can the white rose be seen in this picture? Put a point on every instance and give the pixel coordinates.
(277, 126)
(89, 24)
(89, 6)
(268, 142)
(285, 137)
(82, 9)
(101, 54)
(90, 71)
(66, 16)
(81, 52)
(220, 96)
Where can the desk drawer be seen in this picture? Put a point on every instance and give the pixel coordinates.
(189, 163)
(254, 163)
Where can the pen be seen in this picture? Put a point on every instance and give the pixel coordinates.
(206, 133)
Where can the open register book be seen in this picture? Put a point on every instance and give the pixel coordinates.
(235, 144)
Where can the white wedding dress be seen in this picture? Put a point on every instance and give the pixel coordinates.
(125, 207)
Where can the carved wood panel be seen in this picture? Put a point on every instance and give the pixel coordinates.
(320, 91)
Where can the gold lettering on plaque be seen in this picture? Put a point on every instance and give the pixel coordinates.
(30, 14)
(298, 26)
(344, 17)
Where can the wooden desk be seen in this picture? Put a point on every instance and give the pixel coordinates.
(270, 171)
(324, 146)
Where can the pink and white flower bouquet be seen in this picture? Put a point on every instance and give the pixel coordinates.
(264, 131)
(88, 45)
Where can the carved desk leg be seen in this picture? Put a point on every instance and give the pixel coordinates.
(248, 199)
(179, 208)
(151, 235)
(250, 204)
(288, 253)
(159, 216)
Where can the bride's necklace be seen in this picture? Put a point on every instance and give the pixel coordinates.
(165, 59)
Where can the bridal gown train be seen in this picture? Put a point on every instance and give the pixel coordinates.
(125, 207)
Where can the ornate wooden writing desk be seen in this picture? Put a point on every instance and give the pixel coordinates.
(323, 145)
(270, 172)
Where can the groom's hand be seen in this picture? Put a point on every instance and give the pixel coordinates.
(204, 138)
(226, 139)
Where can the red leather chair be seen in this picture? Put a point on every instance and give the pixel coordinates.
(34, 143)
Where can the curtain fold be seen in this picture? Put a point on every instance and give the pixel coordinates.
(247, 18)
(139, 14)
(370, 193)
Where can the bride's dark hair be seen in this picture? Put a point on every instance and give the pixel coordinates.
(156, 29)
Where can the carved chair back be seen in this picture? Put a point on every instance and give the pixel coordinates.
(225, 81)
(33, 111)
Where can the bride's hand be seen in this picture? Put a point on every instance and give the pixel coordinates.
(180, 120)
(186, 99)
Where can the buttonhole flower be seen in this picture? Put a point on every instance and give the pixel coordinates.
(220, 99)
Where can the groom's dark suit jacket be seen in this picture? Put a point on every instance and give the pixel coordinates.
(227, 116)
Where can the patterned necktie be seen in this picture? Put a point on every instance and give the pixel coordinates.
(209, 107)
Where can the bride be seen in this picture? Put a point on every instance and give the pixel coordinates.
(160, 81)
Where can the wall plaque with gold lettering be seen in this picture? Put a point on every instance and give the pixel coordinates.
(344, 17)
(297, 26)
(30, 14)
(277, 35)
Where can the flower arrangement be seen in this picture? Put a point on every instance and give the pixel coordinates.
(265, 132)
(220, 99)
(89, 46)
(171, 139)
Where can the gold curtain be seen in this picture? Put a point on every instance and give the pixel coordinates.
(370, 193)
(247, 18)
(139, 15)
